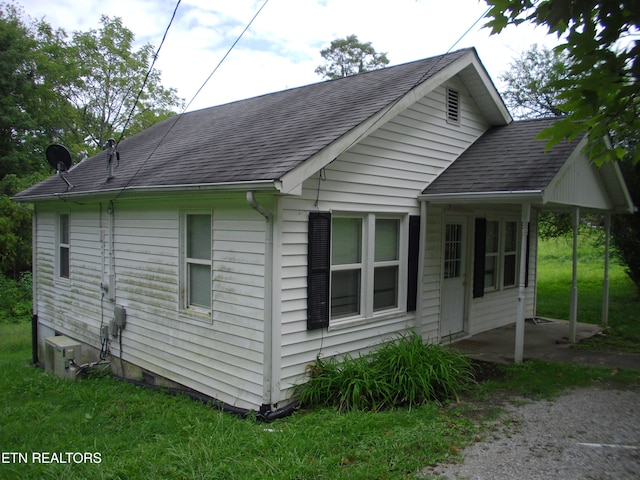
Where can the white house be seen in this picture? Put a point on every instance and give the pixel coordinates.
(244, 240)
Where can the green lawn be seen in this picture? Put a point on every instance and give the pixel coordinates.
(145, 434)
(554, 289)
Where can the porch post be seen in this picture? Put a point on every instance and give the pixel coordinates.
(524, 225)
(421, 253)
(573, 309)
(605, 285)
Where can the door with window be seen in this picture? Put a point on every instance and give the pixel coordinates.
(454, 277)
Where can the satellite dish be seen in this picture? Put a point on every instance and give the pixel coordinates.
(58, 157)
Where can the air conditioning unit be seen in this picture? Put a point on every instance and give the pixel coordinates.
(59, 352)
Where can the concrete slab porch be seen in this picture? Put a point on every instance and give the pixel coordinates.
(544, 339)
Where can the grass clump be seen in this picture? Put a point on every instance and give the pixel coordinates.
(405, 371)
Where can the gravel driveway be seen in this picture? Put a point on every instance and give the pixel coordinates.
(588, 433)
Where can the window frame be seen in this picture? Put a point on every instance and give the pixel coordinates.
(61, 245)
(367, 267)
(501, 254)
(185, 264)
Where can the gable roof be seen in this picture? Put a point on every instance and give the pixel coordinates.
(262, 139)
(509, 163)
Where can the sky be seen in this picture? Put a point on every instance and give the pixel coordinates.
(282, 47)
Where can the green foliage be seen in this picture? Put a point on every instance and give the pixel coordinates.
(105, 58)
(405, 371)
(600, 93)
(15, 226)
(625, 229)
(20, 91)
(15, 299)
(349, 56)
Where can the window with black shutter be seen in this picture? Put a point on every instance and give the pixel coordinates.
(479, 247)
(319, 270)
(412, 270)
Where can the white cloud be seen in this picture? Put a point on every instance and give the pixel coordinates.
(282, 48)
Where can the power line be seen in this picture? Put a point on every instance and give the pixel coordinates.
(226, 55)
(144, 83)
(469, 29)
(177, 117)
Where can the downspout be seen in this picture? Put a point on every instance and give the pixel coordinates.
(34, 287)
(267, 374)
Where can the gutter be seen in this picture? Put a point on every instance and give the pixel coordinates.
(501, 196)
(108, 194)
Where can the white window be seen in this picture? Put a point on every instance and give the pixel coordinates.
(510, 254)
(500, 255)
(63, 250)
(366, 271)
(197, 262)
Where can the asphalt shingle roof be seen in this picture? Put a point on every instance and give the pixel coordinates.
(258, 139)
(506, 158)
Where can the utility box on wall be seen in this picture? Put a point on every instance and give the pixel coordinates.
(59, 352)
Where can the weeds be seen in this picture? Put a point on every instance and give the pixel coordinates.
(15, 299)
(405, 371)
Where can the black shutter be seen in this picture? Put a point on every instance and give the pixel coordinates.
(318, 270)
(412, 269)
(479, 250)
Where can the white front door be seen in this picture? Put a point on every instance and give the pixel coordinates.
(454, 282)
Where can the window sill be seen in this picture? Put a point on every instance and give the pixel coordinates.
(344, 323)
(200, 316)
(497, 290)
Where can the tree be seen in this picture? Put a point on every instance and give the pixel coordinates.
(78, 91)
(348, 56)
(20, 92)
(106, 90)
(531, 83)
(625, 230)
(600, 94)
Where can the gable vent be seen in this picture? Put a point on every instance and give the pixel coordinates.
(453, 106)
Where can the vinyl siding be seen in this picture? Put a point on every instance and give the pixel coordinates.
(384, 173)
(222, 356)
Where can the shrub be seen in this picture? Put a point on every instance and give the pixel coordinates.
(405, 371)
(15, 299)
